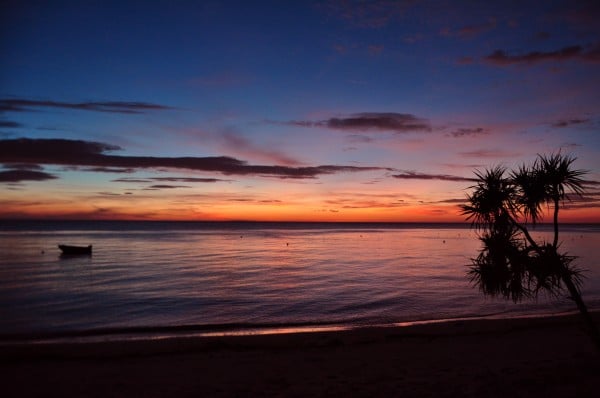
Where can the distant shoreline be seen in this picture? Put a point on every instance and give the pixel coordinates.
(232, 224)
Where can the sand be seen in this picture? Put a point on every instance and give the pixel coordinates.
(540, 357)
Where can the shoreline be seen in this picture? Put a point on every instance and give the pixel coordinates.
(140, 333)
(533, 357)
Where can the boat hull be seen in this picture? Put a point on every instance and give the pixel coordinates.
(75, 250)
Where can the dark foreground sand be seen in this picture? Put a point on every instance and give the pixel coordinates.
(546, 357)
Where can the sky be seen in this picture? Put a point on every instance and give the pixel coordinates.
(289, 111)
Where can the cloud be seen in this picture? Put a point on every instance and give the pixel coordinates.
(24, 105)
(370, 121)
(489, 153)
(133, 180)
(85, 153)
(109, 170)
(467, 132)
(413, 175)
(9, 124)
(501, 58)
(569, 122)
(19, 172)
(23, 166)
(166, 186)
(171, 179)
(108, 194)
(20, 175)
(359, 139)
(462, 166)
(241, 145)
(453, 201)
(366, 202)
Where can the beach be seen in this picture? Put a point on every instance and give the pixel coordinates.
(528, 357)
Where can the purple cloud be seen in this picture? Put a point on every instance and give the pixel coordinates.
(86, 153)
(166, 186)
(370, 121)
(466, 132)
(489, 153)
(240, 144)
(501, 58)
(171, 179)
(569, 122)
(20, 175)
(23, 105)
(413, 175)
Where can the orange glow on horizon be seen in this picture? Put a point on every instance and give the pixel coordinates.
(262, 212)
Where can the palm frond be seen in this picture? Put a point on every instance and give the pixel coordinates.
(560, 177)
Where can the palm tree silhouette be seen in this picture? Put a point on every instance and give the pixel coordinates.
(511, 263)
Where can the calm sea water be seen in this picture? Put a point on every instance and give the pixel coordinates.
(241, 275)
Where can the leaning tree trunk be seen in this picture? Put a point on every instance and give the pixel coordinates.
(587, 317)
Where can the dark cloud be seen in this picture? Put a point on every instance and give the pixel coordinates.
(132, 180)
(108, 194)
(188, 179)
(569, 122)
(23, 105)
(501, 58)
(23, 166)
(453, 201)
(413, 175)
(20, 175)
(9, 124)
(359, 138)
(166, 186)
(466, 132)
(171, 179)
(369, 121)
(86, 153)
(570, 145)
(397, 122)
(117, 170)
(588, 200)
(365, 203)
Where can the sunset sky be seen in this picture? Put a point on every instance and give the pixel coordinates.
(295, 110)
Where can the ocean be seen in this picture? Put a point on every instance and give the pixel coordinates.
(163, 278)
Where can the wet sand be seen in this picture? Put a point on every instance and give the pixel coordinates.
(540, 357)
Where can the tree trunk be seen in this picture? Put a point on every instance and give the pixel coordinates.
(587, 318)
(556, 204)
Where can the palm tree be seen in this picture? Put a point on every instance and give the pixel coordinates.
(511, 263)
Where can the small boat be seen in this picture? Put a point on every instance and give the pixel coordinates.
(74, 250)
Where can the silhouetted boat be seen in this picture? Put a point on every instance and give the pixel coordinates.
(73, 250)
